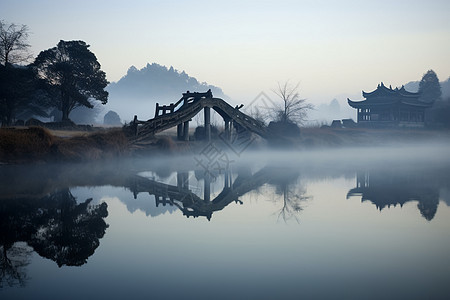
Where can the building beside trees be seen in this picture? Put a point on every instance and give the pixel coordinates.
(388, 107)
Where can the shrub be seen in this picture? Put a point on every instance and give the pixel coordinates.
(200, 133)
(286, 129)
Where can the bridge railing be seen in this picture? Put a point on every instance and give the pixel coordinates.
(135, 124)
(188, 98)
(164, 109)
(167, 116)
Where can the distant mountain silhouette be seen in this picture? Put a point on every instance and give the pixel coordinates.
(139, 90)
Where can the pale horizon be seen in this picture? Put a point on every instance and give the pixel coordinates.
(332, 49)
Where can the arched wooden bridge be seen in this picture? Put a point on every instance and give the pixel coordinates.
(181, 113)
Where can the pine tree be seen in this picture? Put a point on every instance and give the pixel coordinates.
(429, 87)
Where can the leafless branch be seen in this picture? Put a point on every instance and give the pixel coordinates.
(293, 108)
(13, 43)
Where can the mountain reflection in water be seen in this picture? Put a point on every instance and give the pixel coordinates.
(39, 212)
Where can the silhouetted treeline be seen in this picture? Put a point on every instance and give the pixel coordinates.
(22, 95)
(61, 79)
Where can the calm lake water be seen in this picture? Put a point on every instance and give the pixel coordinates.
(342, 224)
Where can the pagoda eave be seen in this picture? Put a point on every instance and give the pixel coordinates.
(365, 103)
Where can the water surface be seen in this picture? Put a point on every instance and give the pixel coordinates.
(349, 223)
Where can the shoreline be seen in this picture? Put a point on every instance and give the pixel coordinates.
(40, 145)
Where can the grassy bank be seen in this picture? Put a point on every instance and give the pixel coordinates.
(22, 145)
(37, 144)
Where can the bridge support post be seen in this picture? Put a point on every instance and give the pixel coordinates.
(180, 131)
(228, 178)
(207, 188)
(157, 110)
(207, 123)
(186, 131)
(183, 180)
(135, 125)
(227, 183)
(227, 130)
(179, 180)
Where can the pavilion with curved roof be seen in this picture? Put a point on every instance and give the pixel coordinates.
(387, 107)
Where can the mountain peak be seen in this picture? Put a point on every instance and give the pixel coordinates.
(132, 69)
(157, 81)
(153, 83)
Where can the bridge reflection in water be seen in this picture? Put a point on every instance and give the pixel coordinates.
(191, 204)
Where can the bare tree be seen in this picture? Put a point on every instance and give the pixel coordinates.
(13, 43)
(293, 109)
(293, 195)
(13, 262)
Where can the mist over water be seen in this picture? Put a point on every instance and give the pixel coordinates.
(269, 224)
(360, 209)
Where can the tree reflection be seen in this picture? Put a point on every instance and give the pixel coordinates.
(55, 226)
(70, 232)
(16, 225)
(13, 262)
(292, 192)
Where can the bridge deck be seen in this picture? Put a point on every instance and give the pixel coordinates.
(190, 108)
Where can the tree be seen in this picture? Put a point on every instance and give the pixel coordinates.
(293, 109)
(73, 76)
(16, 83)
(85, 115)
(13, 43)
(429, 87)
(19, 94)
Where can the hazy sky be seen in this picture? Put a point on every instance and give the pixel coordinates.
(245, 47)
